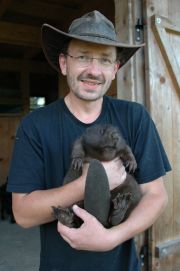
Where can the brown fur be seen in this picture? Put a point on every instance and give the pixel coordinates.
(104, 143)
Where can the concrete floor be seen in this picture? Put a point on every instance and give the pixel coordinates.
(19, 248)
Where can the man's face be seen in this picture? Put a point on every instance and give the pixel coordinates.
(89, 81)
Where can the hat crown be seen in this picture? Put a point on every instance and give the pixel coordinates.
(93, 24)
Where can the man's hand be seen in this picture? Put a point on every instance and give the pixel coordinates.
(91, 236)
(115, 172)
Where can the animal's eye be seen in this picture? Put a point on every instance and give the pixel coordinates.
(108, 148)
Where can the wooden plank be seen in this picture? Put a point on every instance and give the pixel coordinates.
(160, 27)
(174, 15)
(8, 126)
(176, 172)
(130, 78)
(5, 4)
(18, 34)
(168, 248)
(139, 78)
(25, 87)
(124, 24)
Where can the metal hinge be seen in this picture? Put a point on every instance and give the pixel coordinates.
(139, 30)
(168, 248)
(143, 255)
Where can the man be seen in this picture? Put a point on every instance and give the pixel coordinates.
(89, 55)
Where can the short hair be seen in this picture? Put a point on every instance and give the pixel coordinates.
(65, 46)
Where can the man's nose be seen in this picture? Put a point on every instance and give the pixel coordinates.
(95, 66)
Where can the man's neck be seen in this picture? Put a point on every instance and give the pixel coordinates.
(85, 111)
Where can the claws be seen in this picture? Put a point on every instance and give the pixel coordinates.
(121, 204)
(131, 165)
(77, 163)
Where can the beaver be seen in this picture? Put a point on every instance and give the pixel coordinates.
(102, 142)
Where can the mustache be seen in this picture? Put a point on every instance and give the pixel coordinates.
(88, 76)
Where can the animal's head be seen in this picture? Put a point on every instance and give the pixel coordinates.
(101, 141)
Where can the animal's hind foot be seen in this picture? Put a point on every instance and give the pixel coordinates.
(120, 205)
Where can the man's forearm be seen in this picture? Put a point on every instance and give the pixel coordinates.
(35, 208)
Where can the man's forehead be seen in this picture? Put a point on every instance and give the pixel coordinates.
(88, 47)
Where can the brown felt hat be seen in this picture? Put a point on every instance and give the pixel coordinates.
(93, 27)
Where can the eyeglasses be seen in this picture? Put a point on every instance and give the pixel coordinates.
(85, 61)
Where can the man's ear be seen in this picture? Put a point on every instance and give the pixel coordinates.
(116, 68)
(62, 64)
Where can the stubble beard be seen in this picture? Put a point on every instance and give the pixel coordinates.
(86, 94)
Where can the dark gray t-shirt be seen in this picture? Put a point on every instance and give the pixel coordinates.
(41, 159)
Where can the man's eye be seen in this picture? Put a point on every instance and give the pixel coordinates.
(83, 58)
(105, 61)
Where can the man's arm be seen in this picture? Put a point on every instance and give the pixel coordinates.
(35, 208)
(94, 237)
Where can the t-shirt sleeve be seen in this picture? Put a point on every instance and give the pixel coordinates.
(26, 172)
(149, 152)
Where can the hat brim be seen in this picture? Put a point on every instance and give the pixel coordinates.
(54, 39)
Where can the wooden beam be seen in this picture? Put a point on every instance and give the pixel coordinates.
(10, 101)
(4, 5)
(16, 65)
(18, 34)
(44, 10)
(31, 52)
(25, 86)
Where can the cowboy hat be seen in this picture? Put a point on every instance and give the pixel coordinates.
(93, 27)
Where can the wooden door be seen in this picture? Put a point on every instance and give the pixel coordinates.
(8, 126)
(163, 99)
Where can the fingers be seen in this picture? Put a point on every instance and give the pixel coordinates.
(66, 233)
(83, 214)
(75, 236)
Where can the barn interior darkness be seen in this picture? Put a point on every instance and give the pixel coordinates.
(24, 72)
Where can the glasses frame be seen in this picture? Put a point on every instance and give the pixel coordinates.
(89, 60)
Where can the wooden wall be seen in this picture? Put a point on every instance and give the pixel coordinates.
(131, 78)
(34, 78)
(8, 128)
(163, 98)
(154, 80)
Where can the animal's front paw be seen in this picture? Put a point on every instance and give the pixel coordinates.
(120, 206)
(131, 165)
(77, 163)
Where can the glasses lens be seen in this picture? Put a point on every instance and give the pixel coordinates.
(85, 61)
